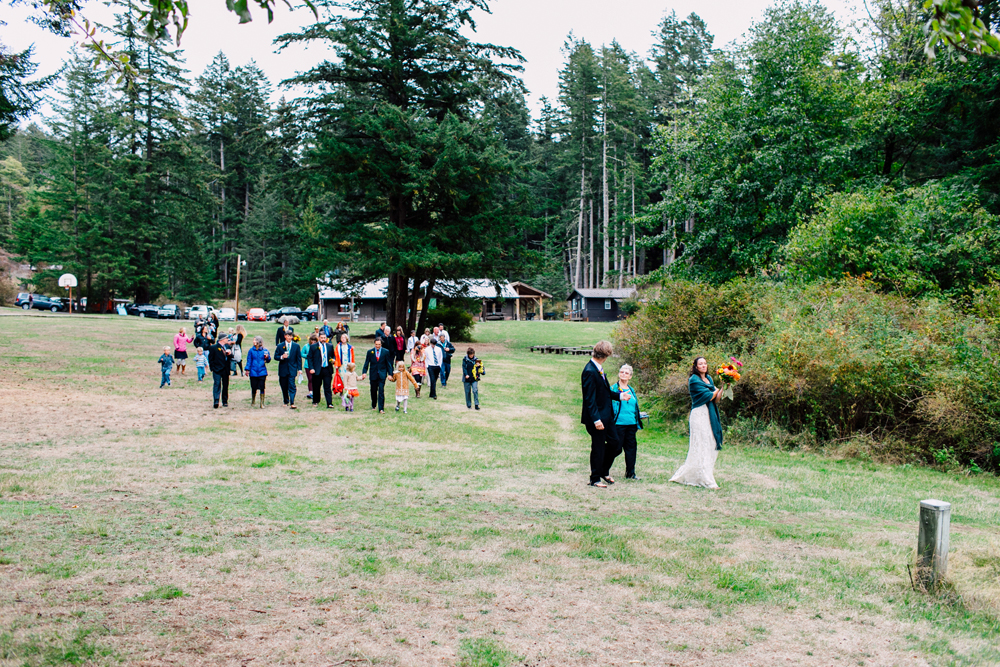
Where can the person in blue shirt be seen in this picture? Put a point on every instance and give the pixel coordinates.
(257, 359)
(627, 419)
(166, 362)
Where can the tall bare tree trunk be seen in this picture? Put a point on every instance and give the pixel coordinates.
(634, 273)
(411, 320)
(604, 187)
(593, 263)
(579, 231)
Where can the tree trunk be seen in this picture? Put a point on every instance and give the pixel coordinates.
(411, 320)
(579, 232)
(604, 187)
(422, 323)
(633, 226)
(593, 266)
(396, 300)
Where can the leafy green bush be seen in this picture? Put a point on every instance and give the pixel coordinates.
(837, 361)
(456, 320)
(934, 238)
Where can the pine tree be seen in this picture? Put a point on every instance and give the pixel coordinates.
(399, 136)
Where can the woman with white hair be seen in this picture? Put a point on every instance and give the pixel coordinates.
(257, 359)
(627, 419)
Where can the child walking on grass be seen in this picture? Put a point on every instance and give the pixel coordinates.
(166, 362)
(350, 386)
(403, 380)
(200, 362)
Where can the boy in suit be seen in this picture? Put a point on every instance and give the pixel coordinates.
(599, 417)
(380, 361)
(289, 358)
(321, 368)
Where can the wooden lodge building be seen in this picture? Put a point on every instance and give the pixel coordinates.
(598, 305)
(367, 303)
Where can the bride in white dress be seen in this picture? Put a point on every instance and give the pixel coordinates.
(706, 430)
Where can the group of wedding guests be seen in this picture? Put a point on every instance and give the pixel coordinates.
(612, 418)
(326, 362)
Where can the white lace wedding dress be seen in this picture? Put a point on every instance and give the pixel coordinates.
(699, 468)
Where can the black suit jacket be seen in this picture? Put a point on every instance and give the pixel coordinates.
(218, 360)
(293, 364)
(597, 397)
(279, 335)
(381, 369)
(316, 359)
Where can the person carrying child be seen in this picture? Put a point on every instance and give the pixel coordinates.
(418, 365)
(200, 362)
(166, 362)
(472, 372)
(350, 386)
(403, 379)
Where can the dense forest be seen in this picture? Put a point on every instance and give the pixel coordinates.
(809, 149)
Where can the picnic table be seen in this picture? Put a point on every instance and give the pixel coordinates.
(559, 349)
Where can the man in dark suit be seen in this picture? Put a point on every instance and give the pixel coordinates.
(321, 368)
(219, 355)
(379, 360)
(599, 417)
(289, 358)
(279, 335)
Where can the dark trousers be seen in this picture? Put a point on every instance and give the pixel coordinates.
(471, 391)
(445, 371)
(604, 448)
(627, 436)
(324, 377)
(399, 356)
(378, 393)
(434, 372)
(257, 384)
(220, 387)
(288, 389)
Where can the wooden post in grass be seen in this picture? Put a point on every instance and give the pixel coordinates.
(932, 543)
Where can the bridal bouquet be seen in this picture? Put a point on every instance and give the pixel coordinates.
(729, 374)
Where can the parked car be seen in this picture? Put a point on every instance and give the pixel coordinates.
(169, 311)
(273, 315)
(312, 312)
(241, 316)
(256, 315)
(200, 311)
(26, 301)
(143, 310)
(227, 314)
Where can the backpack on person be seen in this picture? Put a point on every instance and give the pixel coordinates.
(478, 370)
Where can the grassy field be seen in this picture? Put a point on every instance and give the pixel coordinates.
(139, 526)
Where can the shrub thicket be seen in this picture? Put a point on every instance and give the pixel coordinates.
(936, 238)
(837, 362)
(456, 320)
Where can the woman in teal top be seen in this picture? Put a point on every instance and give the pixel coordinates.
(627, 419)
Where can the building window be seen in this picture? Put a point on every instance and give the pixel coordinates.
(607, 304)
(343, 308)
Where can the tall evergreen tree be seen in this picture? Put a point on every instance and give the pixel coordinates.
(397, 131)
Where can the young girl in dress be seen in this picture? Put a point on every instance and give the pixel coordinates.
(350, 386)
(418, 367)
(403, 379)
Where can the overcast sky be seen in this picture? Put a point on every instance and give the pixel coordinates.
(537, 27)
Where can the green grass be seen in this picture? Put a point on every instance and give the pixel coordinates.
(444, 527)
(485, 653)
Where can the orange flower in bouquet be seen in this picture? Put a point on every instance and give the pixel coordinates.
(729, 374)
